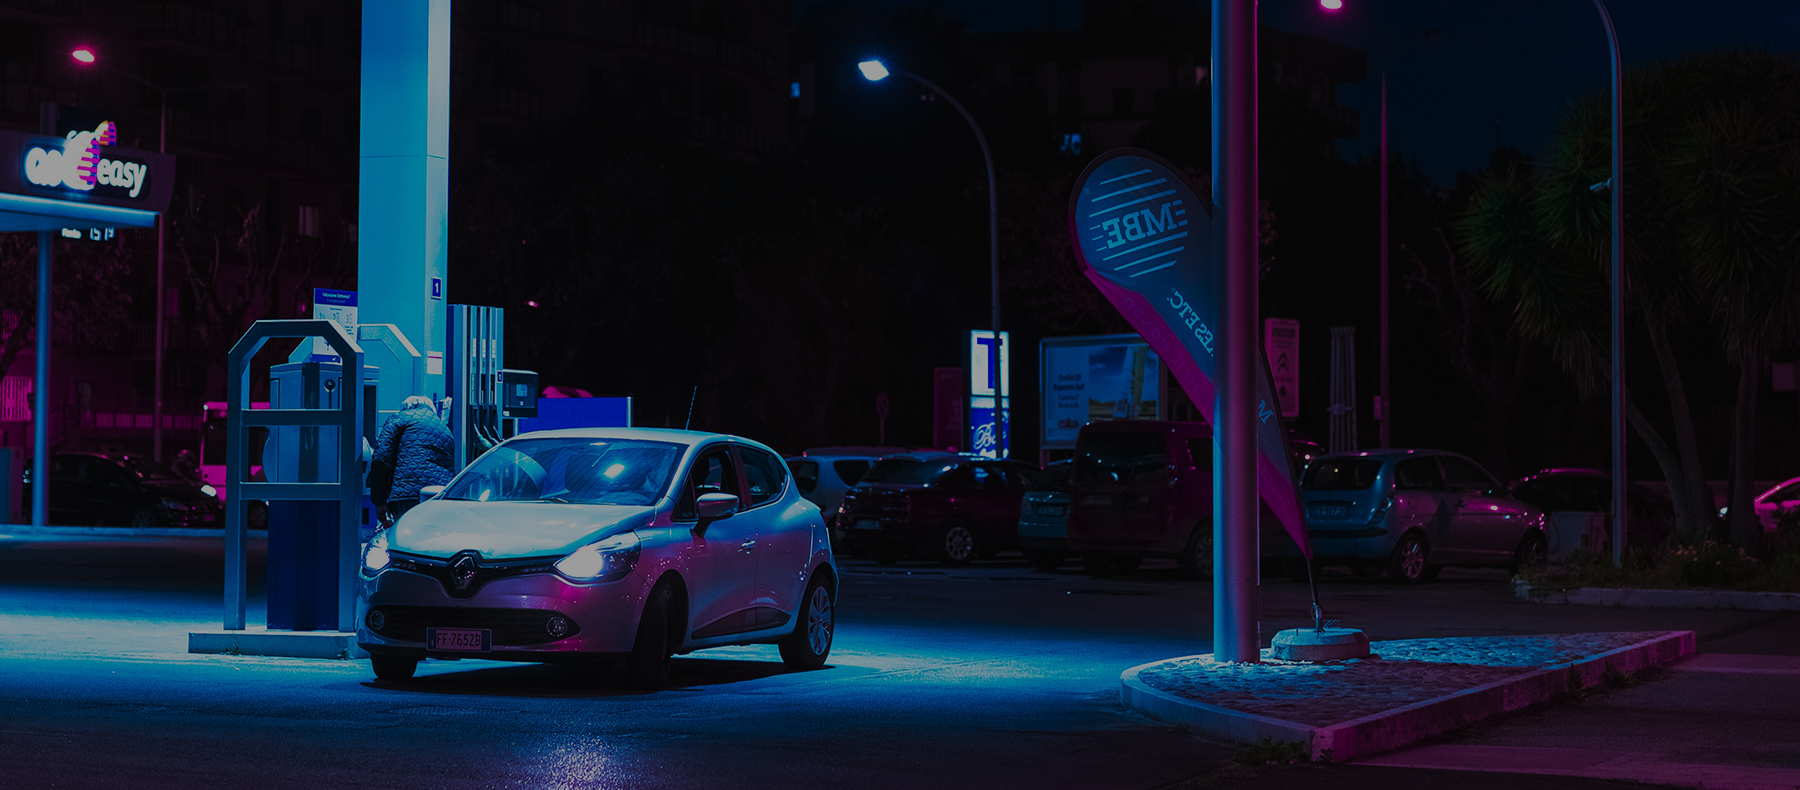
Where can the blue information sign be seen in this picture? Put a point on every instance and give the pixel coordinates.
(1145, 239)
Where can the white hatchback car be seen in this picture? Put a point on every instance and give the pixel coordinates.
(608, 542)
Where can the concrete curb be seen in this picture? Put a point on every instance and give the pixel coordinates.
(1398, 727)
(1663, 599)
(256, 641)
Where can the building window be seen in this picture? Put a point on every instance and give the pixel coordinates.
(309, 221)
(1071, 144)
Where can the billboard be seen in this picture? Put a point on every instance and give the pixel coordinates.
(1095, 378)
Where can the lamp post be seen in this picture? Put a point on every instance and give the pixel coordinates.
(87, 56)
(876, 71)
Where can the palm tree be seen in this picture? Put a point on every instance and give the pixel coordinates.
(1713, 176)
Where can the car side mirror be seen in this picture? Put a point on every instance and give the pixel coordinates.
(430, 492)
(712, 507)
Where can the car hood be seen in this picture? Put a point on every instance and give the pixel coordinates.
(510, 530)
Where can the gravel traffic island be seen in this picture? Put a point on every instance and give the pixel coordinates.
(1406, 690)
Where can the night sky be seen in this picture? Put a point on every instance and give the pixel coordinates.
(1454, 66)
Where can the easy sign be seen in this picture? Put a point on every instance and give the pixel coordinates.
(78, 164)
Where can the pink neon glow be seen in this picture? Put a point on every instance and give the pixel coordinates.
(532, 303)
(1331, 5)
(84, 55)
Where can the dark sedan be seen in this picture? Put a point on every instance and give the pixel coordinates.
(950, 509)
(117, 489)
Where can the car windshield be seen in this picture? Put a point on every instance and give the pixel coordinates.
(148, 470)
(576, 469)
(1340, 474)
(919, 473)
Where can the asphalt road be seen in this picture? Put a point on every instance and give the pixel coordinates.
(993, 676)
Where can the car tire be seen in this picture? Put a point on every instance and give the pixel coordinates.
(1044, 561)
(648, 666)
(810, 644)
(392, 668)
(1407, 562)
(956, 544)
(1196, 560)
(145, 518)
(1533, 552)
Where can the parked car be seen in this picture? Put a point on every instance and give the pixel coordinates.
(1142, 488)
(1577, 505)
(951, 508)
(823, 474)
(116, 489)
(1411, 513)
(1044, 517)
(1782, 502)
(588, 543)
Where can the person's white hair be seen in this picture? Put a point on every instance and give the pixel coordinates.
(419, 403)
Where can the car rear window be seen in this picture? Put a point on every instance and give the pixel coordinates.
(1341, 474)
(880, 470)
(1055, 477)
(919, 473)
(1118, 457)
(850, 471)
(806, 475)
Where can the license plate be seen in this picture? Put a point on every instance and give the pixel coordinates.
(1047, 510)
(869, 523)
(1331, 511)
(460, 640)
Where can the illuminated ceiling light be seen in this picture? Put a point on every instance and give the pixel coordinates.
(84, 55)
(1331, 5)
(872, 70)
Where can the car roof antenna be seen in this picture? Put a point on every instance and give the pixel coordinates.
(690, 420)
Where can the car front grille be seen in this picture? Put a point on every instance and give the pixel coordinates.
(510, 626)
(464, 580)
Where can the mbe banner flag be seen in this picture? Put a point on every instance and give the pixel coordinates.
(1145, 239)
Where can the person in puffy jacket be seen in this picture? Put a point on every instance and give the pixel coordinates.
(413, 451)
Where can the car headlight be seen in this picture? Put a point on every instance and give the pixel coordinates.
(209, 490)
(375, 557)
(603, 560)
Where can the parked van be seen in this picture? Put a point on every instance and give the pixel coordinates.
(1144, 488)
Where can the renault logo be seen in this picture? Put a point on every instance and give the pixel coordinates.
(462, 571)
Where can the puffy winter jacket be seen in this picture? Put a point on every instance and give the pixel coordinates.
(417, 446)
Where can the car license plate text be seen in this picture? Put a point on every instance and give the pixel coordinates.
(1047, 510)
(868, 523)
(1330, 511)
(462, 640)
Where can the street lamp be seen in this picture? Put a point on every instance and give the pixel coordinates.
(86, 55)
(876, 71)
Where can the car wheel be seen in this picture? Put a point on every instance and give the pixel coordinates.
(648, 666)
(1196, 561)
(1533, 552)
(145, 518)
(1406, 564)
(392, 668)
(957, 545)
(810, 643)
(1045, 561)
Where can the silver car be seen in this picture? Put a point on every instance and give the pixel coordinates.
(579, 544)
(1410, 513)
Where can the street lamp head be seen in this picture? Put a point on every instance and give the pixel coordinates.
(84, 55)
(872, 70)
(1331, 5)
